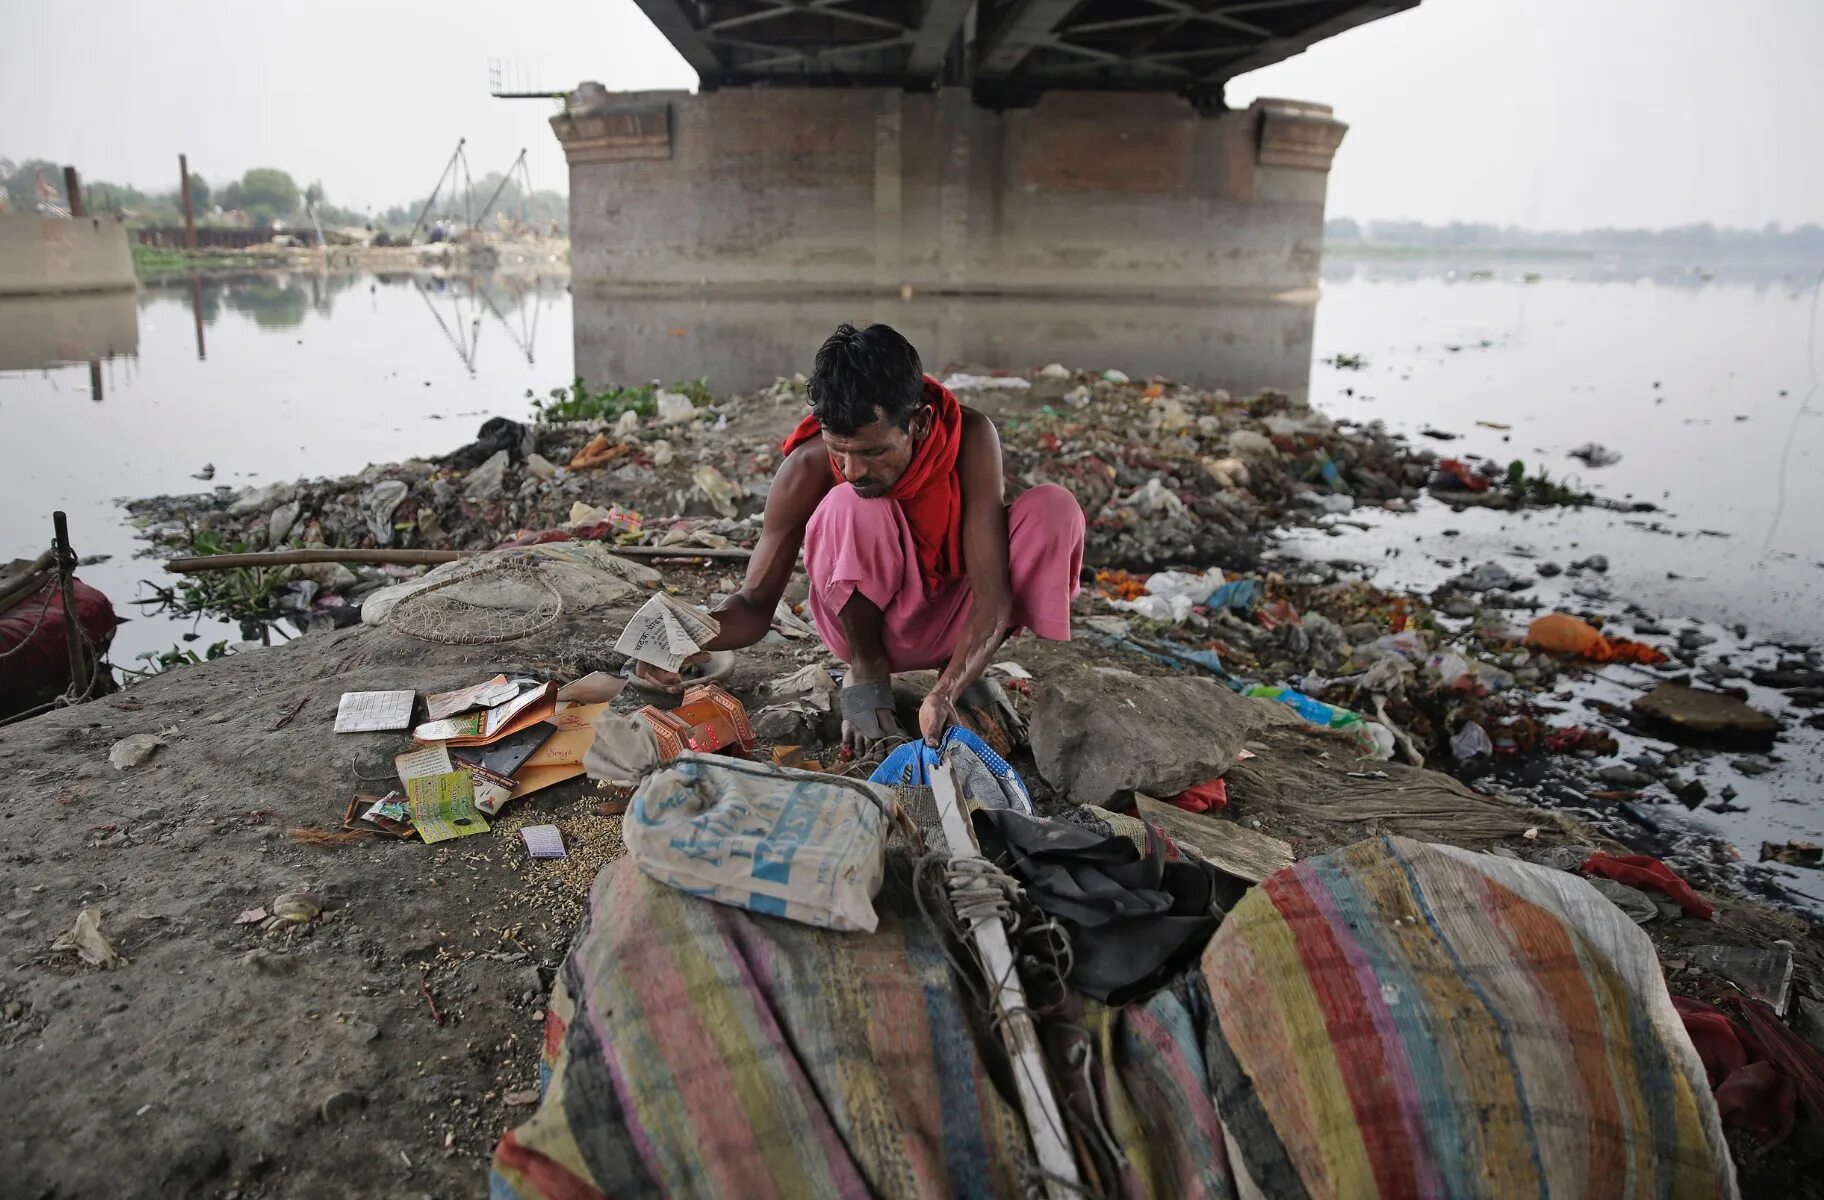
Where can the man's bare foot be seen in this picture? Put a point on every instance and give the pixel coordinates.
(868, 718)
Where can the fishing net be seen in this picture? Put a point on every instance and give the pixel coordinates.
(500, 598)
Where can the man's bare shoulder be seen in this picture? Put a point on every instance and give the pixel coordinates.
(980, 452)
(978, 422)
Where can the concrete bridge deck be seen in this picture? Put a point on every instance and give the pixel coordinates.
(1007, 50)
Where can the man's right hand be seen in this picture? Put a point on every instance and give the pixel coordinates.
(659, 679)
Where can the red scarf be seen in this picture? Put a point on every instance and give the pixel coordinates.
(930, 492)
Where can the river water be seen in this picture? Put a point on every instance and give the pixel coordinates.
(1700, 384)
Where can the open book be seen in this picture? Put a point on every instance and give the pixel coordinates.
(666, 631)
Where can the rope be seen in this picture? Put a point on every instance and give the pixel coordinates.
(53, 585)
(50, 585)
(979, 890)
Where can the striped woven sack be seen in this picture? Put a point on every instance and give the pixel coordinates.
(1399, 1019)
(696, 1050)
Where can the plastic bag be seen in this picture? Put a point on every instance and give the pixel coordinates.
(1172, 584)
(1470, 742)
(796, 844)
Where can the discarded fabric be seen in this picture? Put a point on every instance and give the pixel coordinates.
(1204, 797)
(1649, 874)
(1133, 918)
(1241, 595)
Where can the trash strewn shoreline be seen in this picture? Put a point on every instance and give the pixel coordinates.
(1169, 476)
(371, 1005)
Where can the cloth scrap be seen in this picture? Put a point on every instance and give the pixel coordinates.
(1204, 797)
(1134, 918)
(1752, 1093)
(1649, 874)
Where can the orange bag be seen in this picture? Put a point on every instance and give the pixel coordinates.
(1561, 633)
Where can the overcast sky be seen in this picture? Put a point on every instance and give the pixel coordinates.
(1551, 113)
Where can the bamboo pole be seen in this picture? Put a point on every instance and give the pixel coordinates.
(292, 558)
(1044, 1124)
(72, 631)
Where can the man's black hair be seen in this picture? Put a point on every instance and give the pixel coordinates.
(864, 375)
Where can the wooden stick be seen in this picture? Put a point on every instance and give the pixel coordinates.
(1043, 1121)
(66, 576)
(288, 558)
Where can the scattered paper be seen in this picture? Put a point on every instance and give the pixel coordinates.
(492, 789)
(543, 841)
(1013, 670)
(416, 764)
(597, 687)
(85, 938)
(666, 631)
(790, 624)
(390, 813)
(531, 778)
(372, 712)
(575, 730)
(251, 916)
(443, 806)
(497, 690)
(812, 683)
(134, 749)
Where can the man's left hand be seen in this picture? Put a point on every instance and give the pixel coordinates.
(935, 715)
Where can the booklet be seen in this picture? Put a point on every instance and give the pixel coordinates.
(490, 725)
(497, 690)
(443, 806)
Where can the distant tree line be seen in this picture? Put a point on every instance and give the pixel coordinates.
(266, 197)
(1701, 240)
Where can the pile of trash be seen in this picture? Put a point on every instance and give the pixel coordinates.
(672, 479)
(1165, 472)
(1168, 473)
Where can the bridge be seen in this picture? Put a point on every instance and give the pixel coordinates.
(1062, 147)
(1004, 49)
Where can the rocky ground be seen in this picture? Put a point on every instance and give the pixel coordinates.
(382, 1047)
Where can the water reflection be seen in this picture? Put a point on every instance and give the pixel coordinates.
(743, 343)
(56, 331)
(1471, 268)
(457, 305)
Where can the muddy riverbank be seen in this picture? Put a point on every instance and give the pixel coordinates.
(383, 1047)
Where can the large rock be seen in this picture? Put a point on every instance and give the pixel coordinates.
(1100, 731)
(1687, 714)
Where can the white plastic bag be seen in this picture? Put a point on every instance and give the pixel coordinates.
(795, 844)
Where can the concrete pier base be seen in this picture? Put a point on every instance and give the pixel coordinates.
(43, 255)
(876, 189)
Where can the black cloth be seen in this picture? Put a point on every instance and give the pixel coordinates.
(1134, 920)
(496, 434)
